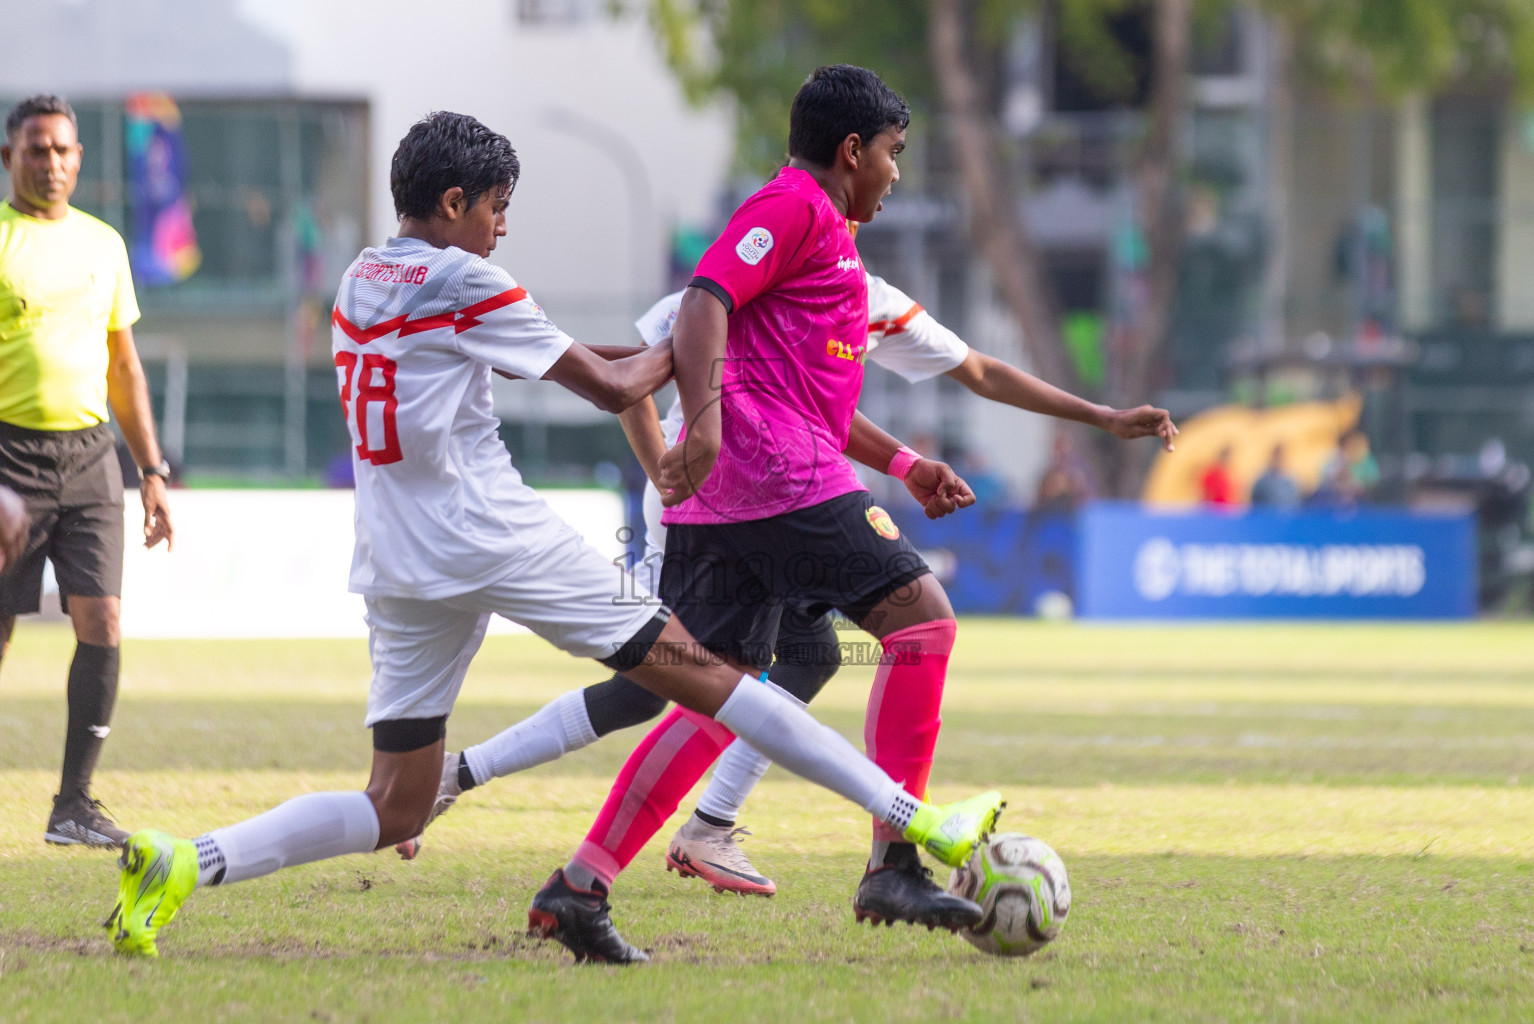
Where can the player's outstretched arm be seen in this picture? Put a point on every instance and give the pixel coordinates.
(700, 334)
(934, 484)
(612, 385)
(997, 381)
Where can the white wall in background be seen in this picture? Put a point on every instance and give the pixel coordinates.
(275, 563)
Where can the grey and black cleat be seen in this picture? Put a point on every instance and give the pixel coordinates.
(713, 853)
(902, 889)
(580, 920)
(78, 820)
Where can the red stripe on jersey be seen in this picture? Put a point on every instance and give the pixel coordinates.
(467, 316)
(363, 335)
(897, 325)
(459, 320)
(427, 323)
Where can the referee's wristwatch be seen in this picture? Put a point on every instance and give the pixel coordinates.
(161, 470)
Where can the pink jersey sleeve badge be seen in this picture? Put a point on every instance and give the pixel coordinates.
(756, 244)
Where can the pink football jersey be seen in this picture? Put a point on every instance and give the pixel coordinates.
(787, 269)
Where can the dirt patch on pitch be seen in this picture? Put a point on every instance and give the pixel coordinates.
(482, 949)
(33, 942)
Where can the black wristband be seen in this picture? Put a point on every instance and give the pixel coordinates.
(161, 470)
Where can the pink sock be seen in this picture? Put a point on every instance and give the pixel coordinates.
(905, 707)
(658, 774)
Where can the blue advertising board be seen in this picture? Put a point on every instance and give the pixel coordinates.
(1357, 564)
(997, 561)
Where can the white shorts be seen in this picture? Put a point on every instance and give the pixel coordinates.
(568, 593)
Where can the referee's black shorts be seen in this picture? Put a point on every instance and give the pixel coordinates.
(73, 488)
(730, 583)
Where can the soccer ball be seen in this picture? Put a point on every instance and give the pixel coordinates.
(1021, 885)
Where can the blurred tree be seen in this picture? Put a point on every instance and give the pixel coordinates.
(947, 58)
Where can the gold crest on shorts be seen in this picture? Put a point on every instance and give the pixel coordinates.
(883, 525)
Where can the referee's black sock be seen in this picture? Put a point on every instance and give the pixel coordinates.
(92, 695)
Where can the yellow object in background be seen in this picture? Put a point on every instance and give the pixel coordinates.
(1309, 432)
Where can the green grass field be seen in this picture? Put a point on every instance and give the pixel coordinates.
(1261, 823)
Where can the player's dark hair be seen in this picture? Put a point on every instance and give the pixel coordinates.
(444, 150)
(837, 101)
(36, 106)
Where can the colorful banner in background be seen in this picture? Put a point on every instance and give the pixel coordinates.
(163, 247)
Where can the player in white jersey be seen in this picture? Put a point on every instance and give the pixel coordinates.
(448, 534)
(903, 338)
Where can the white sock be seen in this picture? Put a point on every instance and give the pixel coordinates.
(739, 769)
(557, 728)
(311, 827)
(775, 724)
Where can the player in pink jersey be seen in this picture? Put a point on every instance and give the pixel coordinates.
(763, 507)
(904, 338)
(448, 534)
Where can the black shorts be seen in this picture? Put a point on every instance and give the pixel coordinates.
(729, 582)
(73, 487)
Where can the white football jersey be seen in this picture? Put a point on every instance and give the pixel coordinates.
(902, 337)
(416, 332)
(907, 339)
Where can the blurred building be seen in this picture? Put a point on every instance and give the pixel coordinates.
(290, 112)
(1332, 245)
(1076, 145)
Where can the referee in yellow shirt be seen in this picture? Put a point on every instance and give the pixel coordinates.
(66, 355)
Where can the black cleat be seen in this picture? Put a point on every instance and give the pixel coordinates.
(579, 919)
(78, 820)
(903, 890)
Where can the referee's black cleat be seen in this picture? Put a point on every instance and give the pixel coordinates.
(579, 919)
(902, 889)
(77, 820)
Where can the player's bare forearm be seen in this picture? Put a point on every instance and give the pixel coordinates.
(608, 352)
(641, 425)
(642, 374)
(613, 385)
(611, 352)
(869, 444)
(933, 484)
(128, 394)
(996, 381)
(992, 379)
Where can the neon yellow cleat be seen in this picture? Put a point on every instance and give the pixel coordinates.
(952, 831)
(159, 872)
